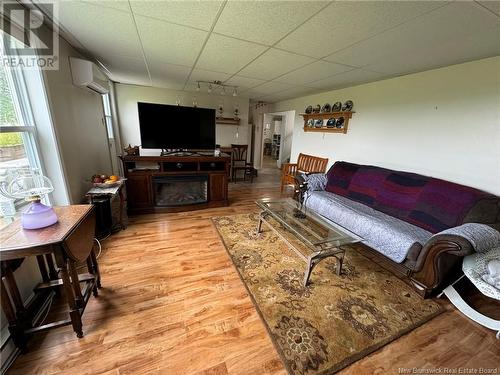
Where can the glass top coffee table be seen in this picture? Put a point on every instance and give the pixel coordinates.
(310, 236)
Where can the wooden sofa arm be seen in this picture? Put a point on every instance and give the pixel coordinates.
(289, 169)
(438, 261)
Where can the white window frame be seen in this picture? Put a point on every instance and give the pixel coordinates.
(19, 94)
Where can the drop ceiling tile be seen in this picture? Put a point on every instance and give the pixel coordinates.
(120, 65)
(170, 43)
(168, 75)
(494, 6)
(122, 5)
(274, 63)
(103, 31)
(313, 72)
(295, 92)
(269, 88)
(227, 55)
(351, 78)
(208, 75)
(197, 14)
(347, 22)
(244, 83)
(264, 21)
(459, 32)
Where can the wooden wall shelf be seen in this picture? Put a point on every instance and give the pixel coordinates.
(227, 121)
(325, 116)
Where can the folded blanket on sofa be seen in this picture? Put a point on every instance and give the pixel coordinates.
(482, 237)
(390, 236)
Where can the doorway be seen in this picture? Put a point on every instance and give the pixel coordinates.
(276, 139)
(271, 141)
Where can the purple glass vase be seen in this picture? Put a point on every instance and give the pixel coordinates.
(38, 215)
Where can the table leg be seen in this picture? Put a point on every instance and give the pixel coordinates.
(52, 270)
(96, 268)
(312, 261)
(15, 328)
(90, 267)
(75, 283)
(14, 293)
(42, 268)
(262, 217)
(74, 313)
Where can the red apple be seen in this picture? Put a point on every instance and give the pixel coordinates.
(97, 180)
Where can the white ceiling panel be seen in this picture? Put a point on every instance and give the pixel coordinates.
(123, 66)
(122, 5)
(174, 40)
(269, 88)
(458, 32)
(227, 55)
(197, 14)
(313, 72)
(347, 22)
(353, 77)
(274, 63)
(244, 83)
(103, 31)
(207, 75)
(289, 93)
(493, 6)
(168, 75)
(170, 43)
(264, 21)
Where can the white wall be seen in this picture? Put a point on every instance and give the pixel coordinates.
(77, 114)
(443, 123)
(127, 97)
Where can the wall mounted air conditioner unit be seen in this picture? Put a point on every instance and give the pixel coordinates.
(86, 74)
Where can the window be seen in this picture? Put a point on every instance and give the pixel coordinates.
(18, 141)
(107, 115)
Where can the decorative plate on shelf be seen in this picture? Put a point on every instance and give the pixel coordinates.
(326, 108)
(317, 109)
(340, 123)
(331, 123)
(310, 123)
(309, 109)
(337, 107)
(318, 123)
(348, 106)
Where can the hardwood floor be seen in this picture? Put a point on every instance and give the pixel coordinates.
(172, 303)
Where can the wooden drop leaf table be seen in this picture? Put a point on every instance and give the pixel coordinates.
(58, 249)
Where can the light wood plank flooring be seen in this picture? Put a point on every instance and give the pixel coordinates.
(172, 303)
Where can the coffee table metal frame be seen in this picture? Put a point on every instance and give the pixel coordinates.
(321, 248)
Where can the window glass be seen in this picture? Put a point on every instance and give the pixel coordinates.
(8, 115)
(18, 143)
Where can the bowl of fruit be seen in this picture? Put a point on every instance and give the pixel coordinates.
(105, 181)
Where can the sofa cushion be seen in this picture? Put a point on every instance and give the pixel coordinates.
(388, 235)
(429, 203)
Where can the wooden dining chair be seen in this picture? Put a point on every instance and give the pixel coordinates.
(239, 162)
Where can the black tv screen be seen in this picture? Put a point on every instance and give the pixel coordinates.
(176, 127)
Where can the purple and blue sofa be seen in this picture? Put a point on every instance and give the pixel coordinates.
(424, 226)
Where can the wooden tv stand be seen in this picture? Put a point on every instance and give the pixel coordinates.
(145, 174)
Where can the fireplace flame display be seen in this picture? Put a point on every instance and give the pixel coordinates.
(172, 191)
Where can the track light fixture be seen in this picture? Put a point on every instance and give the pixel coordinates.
(218, 84)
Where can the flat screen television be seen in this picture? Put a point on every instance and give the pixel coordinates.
(176, 127)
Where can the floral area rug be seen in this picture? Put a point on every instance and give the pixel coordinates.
(335, 320)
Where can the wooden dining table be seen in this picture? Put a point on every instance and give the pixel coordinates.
(58, 249)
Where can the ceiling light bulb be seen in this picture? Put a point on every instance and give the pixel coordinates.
(209, 88)
(235, 93)
(223, 91)
(198, 87)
